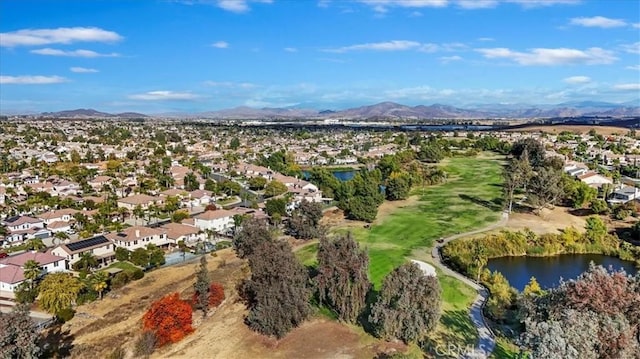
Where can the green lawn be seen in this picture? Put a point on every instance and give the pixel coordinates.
(125, 266)
(470, 199)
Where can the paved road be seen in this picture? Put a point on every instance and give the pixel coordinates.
(486, 340)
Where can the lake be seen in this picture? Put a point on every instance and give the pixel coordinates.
(549, 270)
(341, 175)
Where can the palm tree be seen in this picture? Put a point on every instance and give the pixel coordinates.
(31, 271)
(35, 244)
(58, 291)
(138, 212)
(99, 282)
(86, 262)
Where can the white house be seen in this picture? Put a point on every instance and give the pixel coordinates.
(181, 232)
(22, 228)
(593, 179)
(219, 221)
(12, 269)
(60, 215)
(139, 237)
(142, 200)
(624, 195)
(99, 246)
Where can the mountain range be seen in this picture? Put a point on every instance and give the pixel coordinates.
(391, 110)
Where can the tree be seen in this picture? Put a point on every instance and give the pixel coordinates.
(19, 335)
(516, 175)
(201, 286)
(276, 294)
(179, 216)
(58, 291)
(546, 187)
(138, 212)
(122, 254)
(32, 271)
(169, 319)
(342, 279)
(533, 287)
(274, 188)
(408, 306)
(398, 186)
(531, 148)
(86, 262)
(578, 192)
(98, 282)
(140, 257)
(234, 144)
(305, 220)
(254, 231)
(599, 206)
(596, 229)
(275, 206)
(191, 182)
(257, 183)
(35, 244)
(230, 188)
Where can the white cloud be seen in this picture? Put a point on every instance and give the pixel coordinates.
(290, 49)
(627, 87)
(238, 6)
(634, 67)
(164, 96)
(636, 25)
(552, 57)
(542, 3)
(576, 80)
(61, 35)
(486, 39)
(82, 70)
(220, 45)
(598, 21)
(632, 48)
(381, 6)
(31, 80)
(395, 45)
(71, 53)
(229, 84)
(477, 4)
(448, 59)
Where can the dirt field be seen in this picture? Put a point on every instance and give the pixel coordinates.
(549, 221)
(601, 130)
(102, 326)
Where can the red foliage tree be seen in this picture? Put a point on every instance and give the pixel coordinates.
(210, 207)
(216, 295)
(169, 318)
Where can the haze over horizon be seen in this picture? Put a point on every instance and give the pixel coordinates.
(204, 55)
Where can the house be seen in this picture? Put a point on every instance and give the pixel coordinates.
(22, 228)
(136, 237)
(220, 221)
(624, 195)
(60, 215)
(100, 246)
(141, 200)
(12, 269)
(100, 181)
(200, 197)
(593, 179)
(181, 232)
(59, 226)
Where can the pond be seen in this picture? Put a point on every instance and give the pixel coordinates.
(343, 176)
(549, 270)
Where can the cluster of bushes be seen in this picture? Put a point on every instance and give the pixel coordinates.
(150, 257)
(123, 278)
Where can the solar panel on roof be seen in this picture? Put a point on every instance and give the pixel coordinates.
(90, 242)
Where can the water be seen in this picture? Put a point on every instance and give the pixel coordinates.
(549, 270)
(341, 175)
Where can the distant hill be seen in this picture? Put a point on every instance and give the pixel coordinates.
(391, 110)
(91, 113)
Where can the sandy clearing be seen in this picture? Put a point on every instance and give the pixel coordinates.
(601, 130)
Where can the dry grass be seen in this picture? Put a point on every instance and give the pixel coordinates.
(601, 130)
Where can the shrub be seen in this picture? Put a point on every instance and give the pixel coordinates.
(117, 353)
(120, 280)
(137, 274)
(216, 295)
(65, 315)
(169, 318)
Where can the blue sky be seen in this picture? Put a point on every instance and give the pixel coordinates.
(201, 55)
